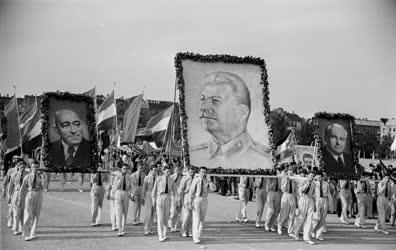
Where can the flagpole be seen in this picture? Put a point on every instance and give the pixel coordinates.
(173, 118)
(19, 129)
(116, 118)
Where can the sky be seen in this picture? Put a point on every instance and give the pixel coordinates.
(321, 55)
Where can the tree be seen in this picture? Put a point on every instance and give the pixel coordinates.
(280, 125)
(305, 136)
(367, 143)
(384, 148)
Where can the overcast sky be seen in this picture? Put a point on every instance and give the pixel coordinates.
(330, 55)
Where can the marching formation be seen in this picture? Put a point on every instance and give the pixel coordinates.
(295, 201)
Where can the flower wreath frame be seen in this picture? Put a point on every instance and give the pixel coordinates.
(337, 116)
(180, 83)
(91, 122)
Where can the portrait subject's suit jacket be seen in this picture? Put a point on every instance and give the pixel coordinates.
(332, 166)
(82, 157)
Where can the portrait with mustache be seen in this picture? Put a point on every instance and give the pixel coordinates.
(72, 149)
(224, 111)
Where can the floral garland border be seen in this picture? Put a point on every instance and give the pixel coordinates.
(183, 116)
(337, 116)
(66, 96)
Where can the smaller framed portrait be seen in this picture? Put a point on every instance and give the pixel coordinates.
(334, 135)
(69, 133)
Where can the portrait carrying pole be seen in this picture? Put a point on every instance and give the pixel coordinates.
(19, 128)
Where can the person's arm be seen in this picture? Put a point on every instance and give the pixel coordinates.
(5, 182)
(304, 186)
(381, 187)
(192, 191)
(154, 191)
(284, 182)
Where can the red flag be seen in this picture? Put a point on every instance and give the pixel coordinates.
(13, 133)
(107, 113)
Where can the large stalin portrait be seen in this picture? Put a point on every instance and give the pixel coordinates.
(224, 113)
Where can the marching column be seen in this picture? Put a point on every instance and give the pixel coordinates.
(322, 205)
(199, 202)
(163, 186)
(288, 203)
(122, 184)
(33, 183)
(148, 185)
(306, 208)
(261, 197)
(136, 195)
(184, 199)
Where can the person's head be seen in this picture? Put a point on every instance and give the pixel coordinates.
(311, 175)
(307, 159)
(319, 176)
(139, 167)
(303, 172)
(386, 177)
(68, 126)
(15, 159)
(191, 171)
(290, 171)
(202, 172)
(34, 166)
(124, 158)
(124, 168)
(166, 170)
(176, 169)
(21, 165)
(225, 105)
(335, 137)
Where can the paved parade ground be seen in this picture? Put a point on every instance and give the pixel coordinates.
(65, 224)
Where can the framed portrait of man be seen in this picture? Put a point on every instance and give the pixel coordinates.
(224, 111)
(69, 133)
(334, 135)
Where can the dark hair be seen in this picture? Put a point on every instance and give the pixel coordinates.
(311, 172)
(153, 167)
(35, 162)
(203, 167)
(319, 173)
(167, 167)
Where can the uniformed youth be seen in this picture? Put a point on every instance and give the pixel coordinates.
(6, 194)
(305, 210)
(122, 185)
(97, 195)
(148, 185)
(175, 211)
(18, 195)
(162, 189)
(183, 200)
(261, 197)
(273, 204)
(136, 193)
(288, 202)
(346, 199)
(384, 195)
(361, 191)
(244, 195)
(321, 204)
(110, 193)
(199, 202)
(33, 184)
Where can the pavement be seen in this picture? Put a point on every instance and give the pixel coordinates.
(65, 224)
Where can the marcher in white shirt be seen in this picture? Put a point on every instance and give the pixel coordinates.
(136, 193)
(175, 212)
(97, 195)
(122, 185)
(322, 205)
(162, 189)
(199, 202)
(148, 186)
(288, 202)
(183, 200)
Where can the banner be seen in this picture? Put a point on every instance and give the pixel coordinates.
(107, 113)
(13, 133)
(131, 119)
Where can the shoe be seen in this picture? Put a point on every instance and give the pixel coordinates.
(273, 229)
(45, 190)
(120, 234)
(245, 220)
(197, 241)
(259, 225)
(162, 239)
(312, 235)
(320, 238)
(17, 233)
(279, 230)
(9, 224)
(377, 229)
(184, 235)
(357, 225)
(295, 237)
(363, 226)
(33, 237)
(237, 219)
(28, 239)
(146, 233)
(266, 228)
(310, 242)
(94, 225)
(384, 232)
(114, 229)
(324, 231)
(291, 235)
(80, 190)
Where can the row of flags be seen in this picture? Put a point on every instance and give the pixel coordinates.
(24, 127)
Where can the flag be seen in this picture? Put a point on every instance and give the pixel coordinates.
(107, 113)
(393, 146)
(145, 104)
(286, 148)
(32, 139)
(131, 119)
(13, 133)
(29, 110)
(160, 121)
(90, 93)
